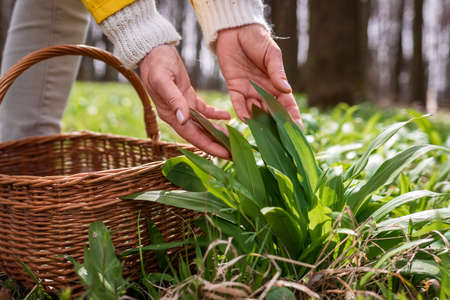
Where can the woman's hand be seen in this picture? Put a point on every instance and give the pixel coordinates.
(249, 53)
(167, 82)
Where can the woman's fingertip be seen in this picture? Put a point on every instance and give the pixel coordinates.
(286, 85)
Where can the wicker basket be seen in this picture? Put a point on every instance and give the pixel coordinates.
(53, 187)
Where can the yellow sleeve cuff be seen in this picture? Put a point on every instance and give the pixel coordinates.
(102, 9)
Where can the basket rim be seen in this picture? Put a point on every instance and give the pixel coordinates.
(74, 134)
(85, 177)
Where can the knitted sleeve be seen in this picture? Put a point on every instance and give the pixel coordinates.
(136, 29)
(214, 15)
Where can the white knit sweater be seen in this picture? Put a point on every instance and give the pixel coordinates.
(137, 28)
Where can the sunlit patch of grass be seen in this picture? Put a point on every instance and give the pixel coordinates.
(115, 108)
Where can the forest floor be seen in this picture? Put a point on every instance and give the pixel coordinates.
(340, 138)
(115, 108)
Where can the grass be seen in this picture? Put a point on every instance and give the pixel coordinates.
(352, 224)
(248, 261)
(115, 108)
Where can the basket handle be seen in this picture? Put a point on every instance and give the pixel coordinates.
(151, 125)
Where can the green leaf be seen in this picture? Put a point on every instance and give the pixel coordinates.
(206, 171)
(444, 171)
(280, 293)
(157, 238)
(421, 267)
(264, 130)
(294, 141)
(198, 201)
(305, 153)
(285, 228)
(276, 108)
(101, 272)
(271, 187)
(399, 201)
(405, 247)
(371, 123)
(379, 140)
(402, 223)
(247, 171)
(159, 247)
(415, 174)
(286, 189)
(180, 173)
(332, 193)
(404, 184)
(218, 135)
(228, 229)
(34, 278)
(445, 277)
(206, 166)
(387, 172)
(436, 225)
(319, 221)
(427, 127)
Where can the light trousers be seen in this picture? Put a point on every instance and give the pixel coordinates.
(35, 103)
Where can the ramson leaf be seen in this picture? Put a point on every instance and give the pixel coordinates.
(247, 171)
(294, 141)
(218, 135)
(381, 262)
(399, 201)
(264, 130)
(379, 140)
(390, 169)
(198, 201)
(285, 228)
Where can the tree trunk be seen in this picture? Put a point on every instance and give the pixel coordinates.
(111, 74)
(399, 59)
(335, 63)
(87, 71)
(284, 19)
(445, 21)
(180, 15)
(446, 101)
(418, 78)
(196, 75)
(365, 11)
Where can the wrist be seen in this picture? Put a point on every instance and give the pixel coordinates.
(218, 15)
(136, 30)
(157, 50)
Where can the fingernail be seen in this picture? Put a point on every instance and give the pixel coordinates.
(180, 116)
(287, 85)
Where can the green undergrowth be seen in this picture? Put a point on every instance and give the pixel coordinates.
(370, 219)
(355, 206)
(115, 108)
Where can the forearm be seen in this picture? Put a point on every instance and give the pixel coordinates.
(215, 15)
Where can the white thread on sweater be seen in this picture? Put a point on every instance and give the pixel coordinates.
(137, 29)
(214, 15)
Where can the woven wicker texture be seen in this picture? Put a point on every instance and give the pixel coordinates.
(53, 187)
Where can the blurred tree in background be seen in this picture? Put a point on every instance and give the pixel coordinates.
(418, 84)
(349, 51)
(336, 53)
(283, 15)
